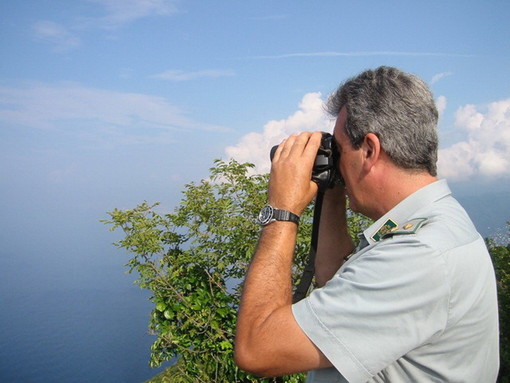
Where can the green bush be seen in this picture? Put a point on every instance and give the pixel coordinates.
(500, 254)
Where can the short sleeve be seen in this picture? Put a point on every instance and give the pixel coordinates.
(380, 305)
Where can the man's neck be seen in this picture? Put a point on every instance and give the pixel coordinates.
(395, 186)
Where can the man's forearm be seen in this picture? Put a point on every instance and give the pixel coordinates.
(269, 342)
(268, 284)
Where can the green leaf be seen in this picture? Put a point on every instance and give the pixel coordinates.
(168, 314)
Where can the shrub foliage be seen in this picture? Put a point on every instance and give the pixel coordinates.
(500, 254)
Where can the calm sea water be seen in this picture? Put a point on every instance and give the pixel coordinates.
(74, 336)
(71, 315)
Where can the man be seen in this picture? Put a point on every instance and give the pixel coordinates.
(416, 300)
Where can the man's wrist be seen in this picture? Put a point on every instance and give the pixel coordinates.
(269, 214)
(277, 234)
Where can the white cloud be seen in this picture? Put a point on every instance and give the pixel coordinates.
(468, 118)
(94, 113)
(255, 147)
(440, 76)
(56, 35)
(117, 13)
(486, 150)
(120, 12)
(180, 75)
(441, 105)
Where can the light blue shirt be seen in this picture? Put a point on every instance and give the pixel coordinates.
(417, 304)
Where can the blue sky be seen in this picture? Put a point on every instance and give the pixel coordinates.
(106, 103)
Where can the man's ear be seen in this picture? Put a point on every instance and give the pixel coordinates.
(371, 147)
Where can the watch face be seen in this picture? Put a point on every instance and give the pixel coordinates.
(265, 215)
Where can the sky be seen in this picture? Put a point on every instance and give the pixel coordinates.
(107, 103)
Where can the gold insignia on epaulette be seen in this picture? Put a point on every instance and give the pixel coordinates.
(410, 227)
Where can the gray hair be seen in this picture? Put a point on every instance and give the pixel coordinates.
(396, 106)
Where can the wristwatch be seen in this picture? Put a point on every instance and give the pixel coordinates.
(270, 214)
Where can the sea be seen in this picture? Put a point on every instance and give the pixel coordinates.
(69, 312)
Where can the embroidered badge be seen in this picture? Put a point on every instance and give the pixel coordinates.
(388, 227)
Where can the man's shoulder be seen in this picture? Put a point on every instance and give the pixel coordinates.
(447, 225)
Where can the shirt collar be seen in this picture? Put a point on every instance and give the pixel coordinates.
(405, 210)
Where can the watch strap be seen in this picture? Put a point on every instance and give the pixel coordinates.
(285, 215)
(270, 214)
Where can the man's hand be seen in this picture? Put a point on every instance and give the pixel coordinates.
(291, 186)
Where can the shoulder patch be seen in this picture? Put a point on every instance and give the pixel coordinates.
(388, 227)
(410, 227)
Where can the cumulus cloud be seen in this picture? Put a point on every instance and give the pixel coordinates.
(180, 75)
(128, 117)
(255, 147)
(441, 105)
(486, 150)
(55, 34)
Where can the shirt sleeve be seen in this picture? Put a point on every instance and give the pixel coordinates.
(380, 305)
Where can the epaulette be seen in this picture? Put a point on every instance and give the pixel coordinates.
(410, 227)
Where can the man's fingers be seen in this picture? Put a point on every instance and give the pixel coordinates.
(313, 144)
(299, 144)
(303, 144)
(290, 184)
(280, 149)
(287, 146)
